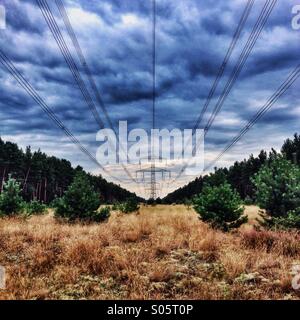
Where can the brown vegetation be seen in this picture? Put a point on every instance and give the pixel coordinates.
(164, 252)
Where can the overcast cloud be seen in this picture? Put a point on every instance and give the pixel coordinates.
(116, 35)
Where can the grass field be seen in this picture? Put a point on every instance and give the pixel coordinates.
(162, 252)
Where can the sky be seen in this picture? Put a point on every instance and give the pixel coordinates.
(192, 37)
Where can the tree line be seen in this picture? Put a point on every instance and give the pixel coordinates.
(238, 176)
(44, 178)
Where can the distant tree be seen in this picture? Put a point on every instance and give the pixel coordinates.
(238, 176)
(220, 206)
(131, 205)
(158, 201)
(151, 202)
(291, 149)
(10, 200)
(217, 178)
(45, 178)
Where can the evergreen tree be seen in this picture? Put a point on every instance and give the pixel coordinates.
(80, 200)
(291, 149)
(131, 205)
(44, 178)
(290, 221)
(278, 186)
(10, 199)
(220, 206)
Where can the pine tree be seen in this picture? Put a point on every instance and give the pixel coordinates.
(220, 206)
(278, 186)
(80, 200)
(129, 206)
(10, 200)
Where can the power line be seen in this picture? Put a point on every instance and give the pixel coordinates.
(252, 39)
(153, 171)
(233, 43)
(221, 71)
(7, 63)
(263, 18)
(82, 59)
(294, 75)
(72, 35)
(54, 28)
(68, 58)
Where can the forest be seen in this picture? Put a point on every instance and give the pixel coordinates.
(239, 175)
(43, 178)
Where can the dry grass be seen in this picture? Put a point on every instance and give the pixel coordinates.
(164, 252)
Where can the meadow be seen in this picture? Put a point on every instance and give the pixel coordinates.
(160, 252)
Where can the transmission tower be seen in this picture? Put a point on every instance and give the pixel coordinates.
(152, 174)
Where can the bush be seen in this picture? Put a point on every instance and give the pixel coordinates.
(102, 214)
(129, 206)
(188, 203)
(220, 206)
(248, 201)
(115, 206)
(79, 202)
(35, 207)
(10, 200)
(290, 221)
(151, 202)
(278, 187)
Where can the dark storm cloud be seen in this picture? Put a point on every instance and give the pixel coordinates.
(20, 18)
(115, 36)
(117, 7)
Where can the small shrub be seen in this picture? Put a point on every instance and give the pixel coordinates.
(115, 206)
(248, 201)
(290, 221)
(220, 206)
(188, 203)
(102, 215)
(10, 200)
(79, 202)
(35, 207)
(131, 205)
